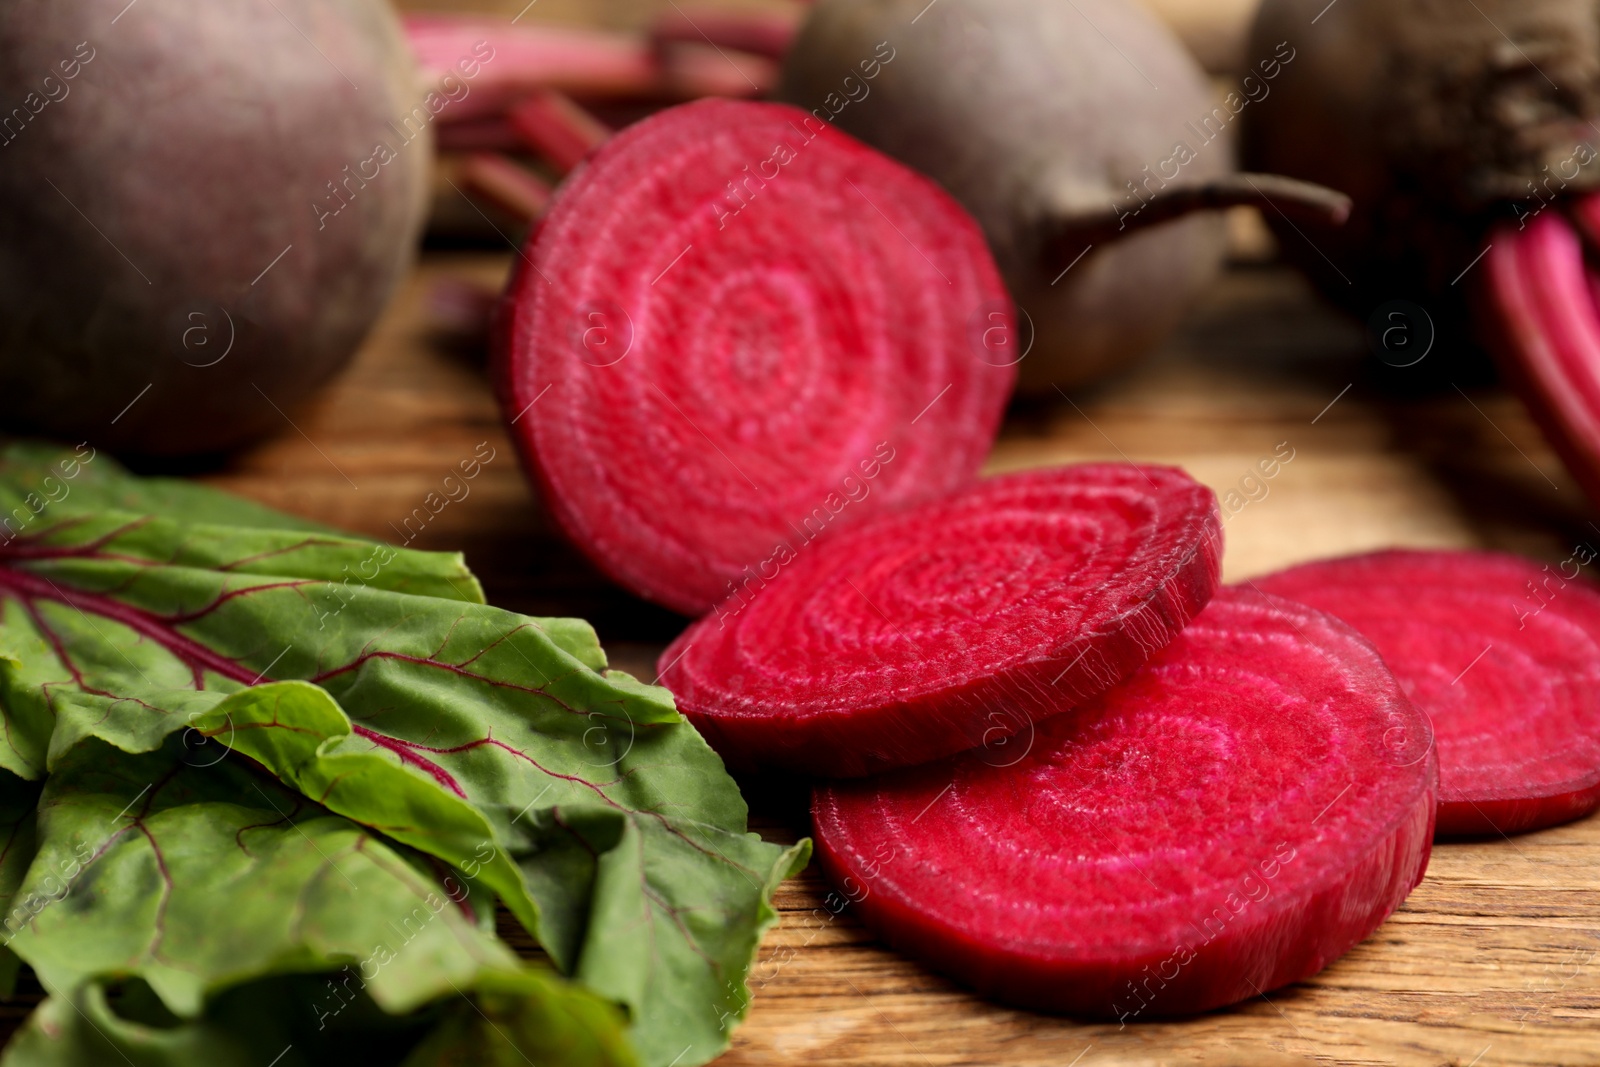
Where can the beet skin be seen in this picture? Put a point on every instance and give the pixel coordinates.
(207, 205)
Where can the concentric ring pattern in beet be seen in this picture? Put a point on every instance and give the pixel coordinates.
(738, 330)
(1232, 818)
(952, 624)
(1502, 653)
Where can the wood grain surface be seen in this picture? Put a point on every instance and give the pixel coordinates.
(1494, 960)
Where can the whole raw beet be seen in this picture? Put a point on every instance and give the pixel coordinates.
(1034, 114)
(1435, 116)
(184, 254)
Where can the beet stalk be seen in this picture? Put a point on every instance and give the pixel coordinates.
(766, 33)
(556, 128)
(1541, 308)
(505, 183)
(524, 58)
(527, 57)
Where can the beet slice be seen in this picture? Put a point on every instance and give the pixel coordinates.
(752, 330)
(952, 624)
(1233, 817)
(1502, 653)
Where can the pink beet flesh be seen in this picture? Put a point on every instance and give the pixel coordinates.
(952, 624)
(1502, 653)
(1233, 817)
(739, 330)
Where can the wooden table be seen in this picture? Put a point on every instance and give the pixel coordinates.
(1494, 960)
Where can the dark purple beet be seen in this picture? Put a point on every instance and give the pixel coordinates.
(172, 269)
(1434, 117)
(1466, 136)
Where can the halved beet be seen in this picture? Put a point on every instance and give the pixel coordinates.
(952, 624)
(752, 330)
(1233, 817)
(1503, 654)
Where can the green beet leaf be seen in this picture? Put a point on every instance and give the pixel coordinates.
(199, 882)
(511, 1020)
(35, 476)
(372, 682)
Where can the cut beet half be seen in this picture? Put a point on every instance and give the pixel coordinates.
(736, 330)
(1502, 653)
(951, 625)
(1232, 818)
(1546, 327)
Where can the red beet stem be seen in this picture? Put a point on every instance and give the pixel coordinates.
(490, 134)
(557, 128)
(763, 33)
(1548, 330)
(506, 184)
(509, 61)
(1585, 214)
(697, 69)
(524, 57)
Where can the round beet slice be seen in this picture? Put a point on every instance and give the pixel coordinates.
(738, 329)
(1233, 817)
(952, 624)
(1502, 653)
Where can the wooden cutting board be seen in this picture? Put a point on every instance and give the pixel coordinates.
(1494, 960)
